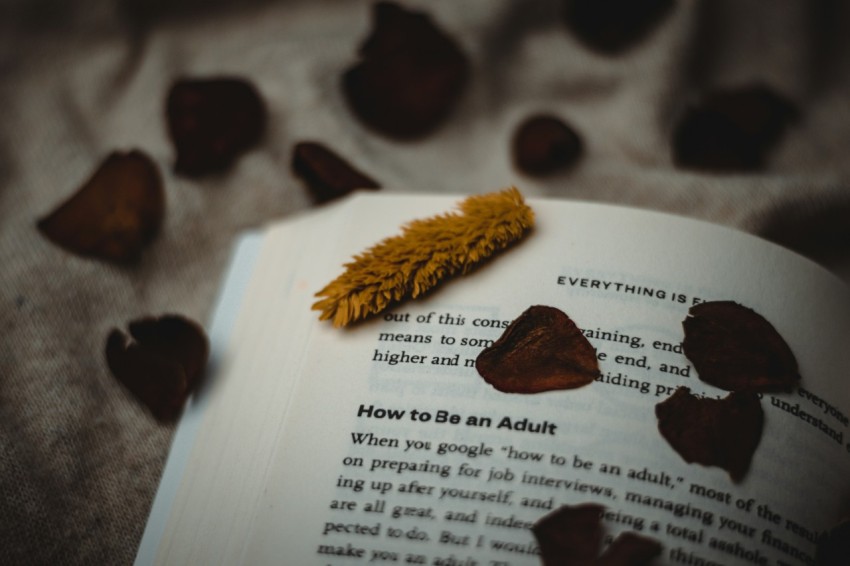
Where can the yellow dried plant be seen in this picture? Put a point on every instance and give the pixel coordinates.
(427, 251)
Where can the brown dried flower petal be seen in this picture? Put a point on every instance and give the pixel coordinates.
(834, 546)
(328, 175)
(713, 432)
(630, 549)
(732, 129)
(612, 26)
(163, 362)
(545, 144)
(212, 121)
(114, 214)
(542, 350)
(410, 74)
(735, 348)
(570, 535)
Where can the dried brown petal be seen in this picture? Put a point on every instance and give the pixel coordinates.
(542, 350)
(735, 348)
(570, 535)
(410, 74)
(834, 546)
(545, 144)
(611, 26)
(713, 432)
(163, 362)
(114, 214)
(327, 174)
(630, 549)
(212, 121)
(732, 130)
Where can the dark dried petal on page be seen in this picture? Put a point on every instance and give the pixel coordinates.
(834, 546)
(328, 175)
(611, 26)
(545, 144)
(542, 350)
(732, 130)
(713, 432)
(630, 549)
(410, 74)
(735, 348)
(163, 362)
(570, 535)
(212, 121)
(114, 214)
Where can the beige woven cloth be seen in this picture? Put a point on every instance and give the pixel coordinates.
(79, 459)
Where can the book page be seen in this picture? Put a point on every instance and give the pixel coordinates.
(234, 421)
(221, 327)
(389, 447)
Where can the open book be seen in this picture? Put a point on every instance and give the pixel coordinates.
(381, 443)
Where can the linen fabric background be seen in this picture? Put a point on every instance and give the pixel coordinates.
(80, 459)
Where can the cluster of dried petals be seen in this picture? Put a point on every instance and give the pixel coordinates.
(737, 349)
(161, 363)
(119, 210)
(731, 346)
(541, 350)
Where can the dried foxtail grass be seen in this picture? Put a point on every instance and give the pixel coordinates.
(428, 251)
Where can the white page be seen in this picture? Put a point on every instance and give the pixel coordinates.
(243, 403)
(798, 472)
(226, 311)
